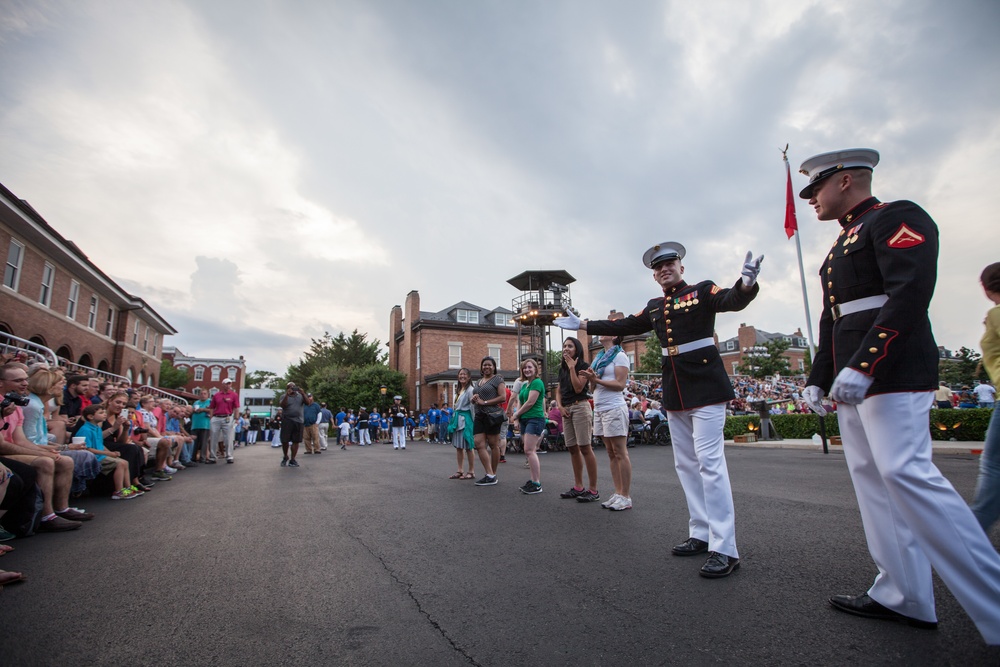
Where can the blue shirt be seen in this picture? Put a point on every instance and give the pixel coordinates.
(201, 420)
(94, 436)
(310, 414)
(340, 417)
(433, 415)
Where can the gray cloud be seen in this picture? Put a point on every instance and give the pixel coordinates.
(302, 167)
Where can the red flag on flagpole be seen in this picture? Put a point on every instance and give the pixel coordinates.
(791, 224)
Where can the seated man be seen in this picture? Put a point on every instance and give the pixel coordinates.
(159, 449)
(175, 429)
(54, 472)
(17, 507)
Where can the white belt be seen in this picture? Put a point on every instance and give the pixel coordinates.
(674, 350)
(858, 305)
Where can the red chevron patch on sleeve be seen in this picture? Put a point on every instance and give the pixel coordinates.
(905, 238)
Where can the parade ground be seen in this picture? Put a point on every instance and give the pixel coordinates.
(372, 556)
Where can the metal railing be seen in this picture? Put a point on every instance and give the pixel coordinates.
(9, 344)
(38, 353)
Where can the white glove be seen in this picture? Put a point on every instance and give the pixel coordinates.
(850, 386)
(813, 396)
(751, 269)
(570, 322)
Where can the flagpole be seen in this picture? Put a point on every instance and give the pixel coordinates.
(790, 205)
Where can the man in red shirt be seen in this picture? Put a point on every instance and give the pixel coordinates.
(223, 407)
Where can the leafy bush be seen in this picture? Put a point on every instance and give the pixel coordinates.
(966, 425)
(971, 423)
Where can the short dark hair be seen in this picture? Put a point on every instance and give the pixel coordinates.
(76, 379)
(92, 409)
(990, 278)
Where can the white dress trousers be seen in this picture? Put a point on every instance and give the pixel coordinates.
(913, 518)
(700, 461)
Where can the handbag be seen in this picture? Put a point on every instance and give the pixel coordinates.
(495, 418)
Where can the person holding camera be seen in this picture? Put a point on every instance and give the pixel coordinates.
(54, 471)
(292, 419)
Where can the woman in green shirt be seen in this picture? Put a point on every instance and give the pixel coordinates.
(530, 416)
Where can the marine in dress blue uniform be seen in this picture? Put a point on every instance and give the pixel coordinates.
(696, 389)
(878, 359)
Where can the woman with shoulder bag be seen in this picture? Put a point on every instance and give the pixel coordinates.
(487, 397)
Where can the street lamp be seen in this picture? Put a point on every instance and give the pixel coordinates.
(381, 406)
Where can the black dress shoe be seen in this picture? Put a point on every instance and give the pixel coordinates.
(862, 605)
(691, 547)
(719, 565)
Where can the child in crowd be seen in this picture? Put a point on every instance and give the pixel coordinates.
(111, 462)
(345, 433)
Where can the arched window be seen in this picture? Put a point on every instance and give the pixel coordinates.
(142, 377)
(86, 360)
(104, 366)
(65, 352)
(129, 374)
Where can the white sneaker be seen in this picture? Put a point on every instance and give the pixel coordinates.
(169, 470)
(622, 503)
(610, 501)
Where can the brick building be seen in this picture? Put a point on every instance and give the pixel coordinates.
(207, 372)
(430, 347)
(54, 296)
(734, 350)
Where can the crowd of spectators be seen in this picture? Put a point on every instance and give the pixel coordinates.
(66, 435)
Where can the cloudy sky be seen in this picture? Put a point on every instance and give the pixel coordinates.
(263, 171)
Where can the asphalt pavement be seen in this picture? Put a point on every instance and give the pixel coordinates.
(372, 556)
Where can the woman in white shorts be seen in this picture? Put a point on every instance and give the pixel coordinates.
(608, 374)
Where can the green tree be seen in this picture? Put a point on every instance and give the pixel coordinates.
(359, 386)
(340, 352)
(766, 359)
(172, 378)
(261, 380)
(964, 368)
(651, 360)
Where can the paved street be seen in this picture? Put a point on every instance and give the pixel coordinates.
(372, 557)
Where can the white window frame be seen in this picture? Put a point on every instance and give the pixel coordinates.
(631, 359)
(73, 299)
(494, 351)
(145, 339)
(464, 316)
(199, 373)
(156, 341)
(92, 313)
(216, 373)
(418, 361)
(231, 373)
(109, 325)
(135, 334)
(452, 348)
(45, 293)
(13, 269)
